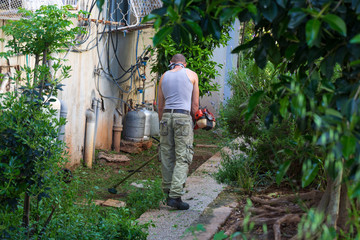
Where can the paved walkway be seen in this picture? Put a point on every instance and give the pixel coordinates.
(200, 191)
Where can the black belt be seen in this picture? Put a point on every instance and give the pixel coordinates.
(177, 111)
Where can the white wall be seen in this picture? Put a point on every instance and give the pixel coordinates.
(222, 55)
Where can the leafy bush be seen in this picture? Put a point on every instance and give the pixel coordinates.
(75, 219)
(246, 81)
(198, 58)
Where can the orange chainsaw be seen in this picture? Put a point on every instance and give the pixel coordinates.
(204, 119)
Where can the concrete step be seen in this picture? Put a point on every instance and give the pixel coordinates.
(200, 191)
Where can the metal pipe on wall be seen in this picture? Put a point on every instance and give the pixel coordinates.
(63, 114)
(89, 138)
(95, 106)
(117, 129)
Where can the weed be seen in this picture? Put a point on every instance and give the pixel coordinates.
(140, 200)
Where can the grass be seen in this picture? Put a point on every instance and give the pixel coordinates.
(103, 176)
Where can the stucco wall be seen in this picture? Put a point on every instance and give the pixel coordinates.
(83, 85)
(86, 84)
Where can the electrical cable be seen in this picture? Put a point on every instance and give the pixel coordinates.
(97, 87)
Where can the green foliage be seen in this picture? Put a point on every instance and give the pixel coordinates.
(198, 57)
(47, 30)
(248, 80)
(194, 229)
(75, 218)
(186, 21)
(305, 41)
(311, 225)
(30, 153)
(148, 197)
(240, 171)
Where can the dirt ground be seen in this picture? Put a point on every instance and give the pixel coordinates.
(275, 207)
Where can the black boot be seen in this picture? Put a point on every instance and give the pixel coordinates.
(177, 203)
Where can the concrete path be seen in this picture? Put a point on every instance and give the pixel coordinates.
(200, 191)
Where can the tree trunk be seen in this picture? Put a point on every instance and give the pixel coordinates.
(343, 209)
(26, 216)
(44, 80)
(334, 203)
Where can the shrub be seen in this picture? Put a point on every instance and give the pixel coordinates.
(247, 80)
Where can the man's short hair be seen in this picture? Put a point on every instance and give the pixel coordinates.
(178, 58)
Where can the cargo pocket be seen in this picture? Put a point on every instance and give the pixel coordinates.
(164, 130)
(182, 127)
(189, 153)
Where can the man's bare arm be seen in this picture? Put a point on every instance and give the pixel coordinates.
(161, 99)
(195, 96)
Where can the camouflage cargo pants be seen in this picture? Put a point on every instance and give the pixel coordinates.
(176, 151)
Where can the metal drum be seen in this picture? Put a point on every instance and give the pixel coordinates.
(134, 125)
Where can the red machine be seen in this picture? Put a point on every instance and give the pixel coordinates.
(204, 119)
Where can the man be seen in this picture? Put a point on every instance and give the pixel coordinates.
(178, 102)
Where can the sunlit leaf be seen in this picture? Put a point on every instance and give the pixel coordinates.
(355, 39)
(309, 175)
(312, 31)
(161, 35)
(348, 144)
(195, 28)
(282, 171)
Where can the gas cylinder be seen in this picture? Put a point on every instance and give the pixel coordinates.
(154, 129)
(147, 113)
(134, 125)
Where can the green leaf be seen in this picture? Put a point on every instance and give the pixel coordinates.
(355, 39)
(195, 28)
(270, 12)
(309, 175)
(312, 31)
(220, 236)
(296, 18)
(172, 14)
(354, 63)
(348, 145)
(336, 23)
(99, 4)
(282, 3)
(252, 8)
(282, 171)
(227, 14)
(247, 45)
(149, 18)
(284, 103)
(253, 102)
(260, 56)
(333, 112)
(161, 35)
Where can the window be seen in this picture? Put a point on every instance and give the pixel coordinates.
(119, 11)
(129, 12)
(73, 3)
